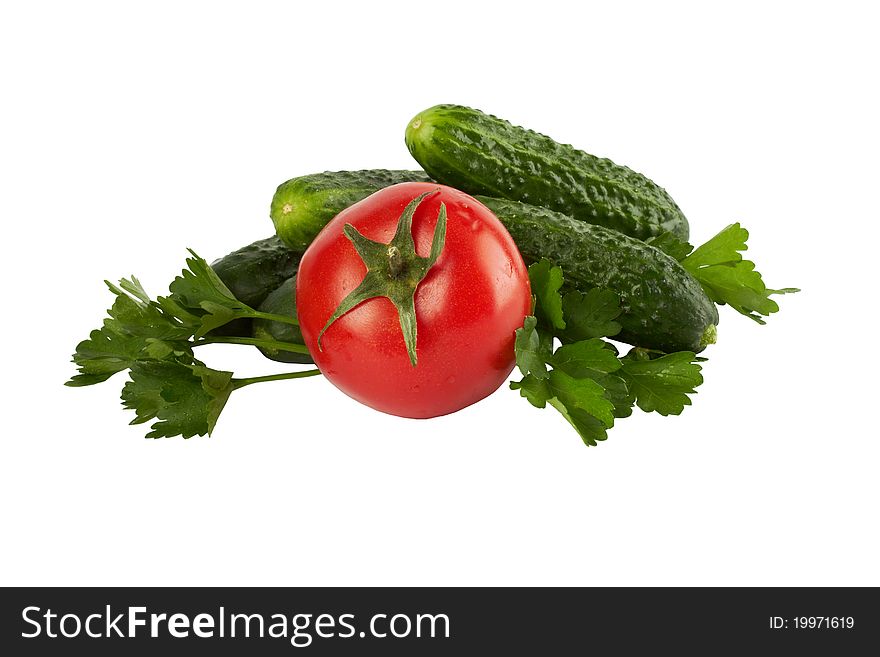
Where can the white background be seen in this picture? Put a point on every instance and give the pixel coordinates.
(132, 131)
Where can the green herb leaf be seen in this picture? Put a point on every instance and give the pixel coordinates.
(546, 281)
(153, 340)
(729, 279)
(670, 245)
(581, 402)
(106, 352)
(133, 287)
(135, 328)
(585, 380)
(617, 392)
(596, 360)
(185, 399)
(535, 390)
(531, 351)
(205, 301)
(591, 314)
(579, 359)
(661, 384)
(723, 249)
(590, 428)
(138, 316)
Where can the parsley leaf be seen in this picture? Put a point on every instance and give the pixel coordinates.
(581, 402)
(723, 249)
(138, 315)
(546, 281)
(597, 360)
(591, 314)
(185, 399)
(535, 390)
(531, 350)
(729, 279)
(154, 341)
(580, 386)
(134, 329)
(661, 384)
(103, 354)
(201, 299)
(617, 392)
(581, 358)
(584, 379)
(670, 245)
(133, 287)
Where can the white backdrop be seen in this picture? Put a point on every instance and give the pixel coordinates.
(132, 131)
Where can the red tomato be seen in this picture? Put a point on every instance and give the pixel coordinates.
(467, 307)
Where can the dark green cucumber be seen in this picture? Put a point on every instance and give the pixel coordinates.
(664, 307)
(302, 206)
(252, 272)
(481, 154)
(257, 269)
(281, 301)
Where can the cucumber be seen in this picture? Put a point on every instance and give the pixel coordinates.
(281, 301)
(252, 272)
(262, 275)
(257, 269)
(664, 307)
(481, 154)
(302, 206)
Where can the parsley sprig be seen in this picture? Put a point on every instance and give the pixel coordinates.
(155, 340)
(584, 378)
(725, 275)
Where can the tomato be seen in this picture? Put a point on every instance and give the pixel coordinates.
(467, 303)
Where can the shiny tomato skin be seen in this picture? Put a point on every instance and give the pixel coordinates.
(468, 307)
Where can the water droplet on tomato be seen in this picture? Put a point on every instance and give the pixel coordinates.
(450, 380)
(476, 225)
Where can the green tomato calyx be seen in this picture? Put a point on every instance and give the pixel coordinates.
(394, 271)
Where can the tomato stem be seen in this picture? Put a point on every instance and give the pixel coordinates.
(395, 261)
(394, 271)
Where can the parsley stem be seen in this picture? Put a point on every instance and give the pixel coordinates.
(256, 342)
(241, 383)
(285, 319)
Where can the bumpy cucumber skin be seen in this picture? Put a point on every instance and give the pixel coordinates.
(257, 269)
(302, 206)
(281, 301)
(664, 307)
(482, 154)
(252, 272)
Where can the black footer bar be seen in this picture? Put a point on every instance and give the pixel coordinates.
(436, 621)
